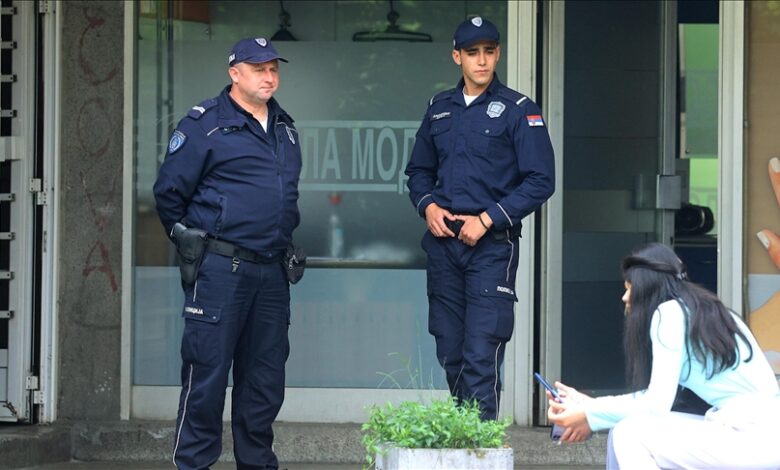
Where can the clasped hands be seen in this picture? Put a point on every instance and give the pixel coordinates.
(471, 231)
(569, 413)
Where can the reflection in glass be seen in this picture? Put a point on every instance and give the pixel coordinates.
(357, 107)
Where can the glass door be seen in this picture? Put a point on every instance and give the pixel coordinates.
(615, 66)
(358, 329)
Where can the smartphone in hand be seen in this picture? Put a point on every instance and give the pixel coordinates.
(549, 387)
(557, 431)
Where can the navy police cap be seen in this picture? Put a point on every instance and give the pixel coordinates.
(473, 31)
(254, 51)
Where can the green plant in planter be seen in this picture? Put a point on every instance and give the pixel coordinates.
(441, 425)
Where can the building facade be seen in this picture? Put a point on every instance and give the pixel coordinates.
(647, 104)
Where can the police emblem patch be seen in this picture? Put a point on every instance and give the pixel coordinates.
(177, 140)
(261, 42)
(476, 21)
(495, 108)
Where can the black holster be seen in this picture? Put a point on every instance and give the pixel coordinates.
(294, 262)
(190, 244)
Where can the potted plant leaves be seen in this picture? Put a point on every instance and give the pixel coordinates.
(441, 435)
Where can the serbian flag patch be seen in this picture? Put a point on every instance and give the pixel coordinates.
(534, 120)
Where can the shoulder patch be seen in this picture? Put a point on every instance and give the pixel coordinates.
(197, 111)
(177, 141)
(535, 120)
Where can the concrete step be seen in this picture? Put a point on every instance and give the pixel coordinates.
(24, 445)
(301, 443)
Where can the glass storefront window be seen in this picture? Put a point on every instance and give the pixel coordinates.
(359, 317)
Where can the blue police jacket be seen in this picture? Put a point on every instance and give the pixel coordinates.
(494, 155)
(224, 174)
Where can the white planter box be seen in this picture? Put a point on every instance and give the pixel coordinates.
(449, 459)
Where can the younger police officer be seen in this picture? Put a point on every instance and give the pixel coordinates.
(232, 170)
(482, 161)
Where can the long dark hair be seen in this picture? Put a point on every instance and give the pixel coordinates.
(657, 275)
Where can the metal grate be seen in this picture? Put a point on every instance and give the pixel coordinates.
(7, 10)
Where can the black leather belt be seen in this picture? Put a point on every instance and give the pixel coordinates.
(454, 225)
(228, 249)
(500, 235)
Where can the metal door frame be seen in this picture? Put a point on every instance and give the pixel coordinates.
(51, 38)
(344, 405)
(19, 148)
(730, 156)
(27, 388)
(522, 75)
(731, 122)
(551, 304)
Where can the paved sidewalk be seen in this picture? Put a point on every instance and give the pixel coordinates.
(231, 466)
(145, 445)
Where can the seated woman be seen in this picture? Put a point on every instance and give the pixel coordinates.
(679, 334)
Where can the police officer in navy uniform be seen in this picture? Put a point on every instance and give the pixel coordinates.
(481, 162)
(232, 170)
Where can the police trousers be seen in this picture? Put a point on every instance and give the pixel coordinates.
(471, 302)
(233, 317)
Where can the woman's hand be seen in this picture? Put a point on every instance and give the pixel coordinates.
(569, 413)
(570, 394)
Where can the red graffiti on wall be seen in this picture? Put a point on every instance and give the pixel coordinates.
(95, 130)
(104, 266)
(95, 127)
(97, 67)
(100, 217)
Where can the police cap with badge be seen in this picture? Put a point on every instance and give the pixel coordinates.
(253, 51)
(474, 30)
(250, 50)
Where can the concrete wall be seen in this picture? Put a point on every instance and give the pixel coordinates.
(90, 209)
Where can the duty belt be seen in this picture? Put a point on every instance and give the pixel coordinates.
(454, 225)
(500, 235)
(228, 249)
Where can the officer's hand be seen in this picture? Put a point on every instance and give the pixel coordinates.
(434, 216)
(473, 229)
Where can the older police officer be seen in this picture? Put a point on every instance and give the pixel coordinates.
(232, 171)
(482, 161)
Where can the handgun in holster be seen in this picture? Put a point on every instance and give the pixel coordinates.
(294, 261)
(190, 244)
